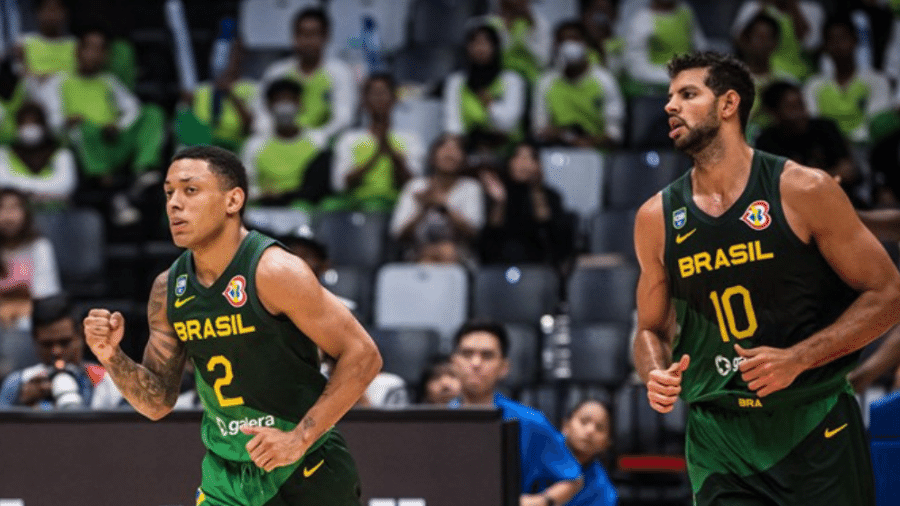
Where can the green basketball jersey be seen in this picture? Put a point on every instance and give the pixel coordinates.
(745, 277)
(252, 368)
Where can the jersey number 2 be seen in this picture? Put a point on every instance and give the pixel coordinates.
(725, 312)
(223, 381)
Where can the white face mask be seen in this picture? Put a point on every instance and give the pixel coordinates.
(31, 134)
(570, 52)
(285, 112)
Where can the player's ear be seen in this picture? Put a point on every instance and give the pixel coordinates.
(729, 104)
(235, 199)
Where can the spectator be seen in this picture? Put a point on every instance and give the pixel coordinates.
(526, 222)
(814, 142)
(51, 49)
(578, 104)
(587, 432)
(281, 165)
(35, 163)
(62, 379)
(28, 269)
(440, 383)
(372, 164)
(484, 102)
(304, 244)
(329, 88)
(599, 18)
(800, 23)
(656, 33)
(884, 359)
(444, 205)
(219, 112)
(117, 140)
(852, 97)
(549, 472)
(525, 38)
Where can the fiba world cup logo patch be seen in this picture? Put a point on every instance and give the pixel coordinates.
(757, 215)
(180, 285)
(679, 218)
(236, 291)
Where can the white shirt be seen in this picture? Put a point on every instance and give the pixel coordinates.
(466, 198)
(505, 112)
(58, 186)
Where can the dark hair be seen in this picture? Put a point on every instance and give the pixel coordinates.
(775, 92)
(569, 24)
(765, 19)
(725, 72)
(442, 139)
(491, 327)
(95, 29)
(384, 77)
(293, 240)
(29, 231)
(430, 372)
(281, 85)
(223, 163)
(50, 310)
(587, 400)
(312, 13)
(839, 20)
(30, 107)
(480, 76)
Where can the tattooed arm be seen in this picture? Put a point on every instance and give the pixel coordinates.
(152, 386)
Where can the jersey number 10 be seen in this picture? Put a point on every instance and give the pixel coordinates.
(725, 312)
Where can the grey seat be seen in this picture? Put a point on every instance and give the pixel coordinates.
(353, 284)
(406, 352)
(612, 231)
(578, 176)
(523, 355)
(634, 176)
(602, 294)
(515, 294)
(600, 354)
(353, 238)
(280, 221)
(79, 241)
(648, 123)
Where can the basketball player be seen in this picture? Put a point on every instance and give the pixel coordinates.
(249, 314)
(758, 287)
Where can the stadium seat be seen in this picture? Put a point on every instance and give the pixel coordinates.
(641, 430)
(716, 17)
(577, 174)
(266, 24)
(602, 294)
(439, 22)
(353, 238)
(556, 11)
(420, 116)
(79, 239)
(276, 220)
(524, 355)
(515, 294)
(390, 17)
(648, 125)
(632, 177)
(406, 352)
(422, 296)
(612, 231)
(353, 284)
(600, 354)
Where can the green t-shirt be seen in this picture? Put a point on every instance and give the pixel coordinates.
(48, 56)
(229, 127)
(474, 114)
(90, 97)
(281, 163)
(576, 103)
(379, 181)
(316, 100)
(788, 56)
(847, 106)
(672, 34)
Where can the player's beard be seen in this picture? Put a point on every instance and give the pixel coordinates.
(700, 136)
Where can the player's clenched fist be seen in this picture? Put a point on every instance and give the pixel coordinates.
(664, 385)
(103, 332)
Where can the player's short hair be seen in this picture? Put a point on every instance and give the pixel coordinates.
(49, 310)
(491, 327)
(312, 13)
(724, 72)
(774, 93)
(223, 163)
(282, 85)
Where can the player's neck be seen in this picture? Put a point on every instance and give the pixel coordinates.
(720, 175)
(211, 259)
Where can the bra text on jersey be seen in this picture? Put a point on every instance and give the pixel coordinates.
(220, 326)
(722, 258)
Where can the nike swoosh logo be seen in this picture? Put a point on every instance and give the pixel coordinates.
(309, 472)
(181, 302)
(681, 238)
(830, 433)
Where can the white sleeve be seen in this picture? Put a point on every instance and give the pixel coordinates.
(453, 104)
(637, 51)
(61, 183)
(613, 105)
(415, 154)
(506, 113)
(128, 104)
(540, 40)
(815, 18)
(810, 90)
(407, 206)
(880, 100)
(46, 275)
(106, 395)
(540, 117)
(744, 15)
(343, 99)
(892, 57)
(50, 96)
(251, 149)
(343, 160)
(469, 201)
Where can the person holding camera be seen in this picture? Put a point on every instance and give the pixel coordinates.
(62, 379)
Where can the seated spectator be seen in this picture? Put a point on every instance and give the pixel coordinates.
(800, 26)
(371, 165)
(657, 33)
(219, 112)
(329, 88)
(440, 383)
(484, 102)
(578, 104)
(599, 18)
(117, 140)
(588, 435)
(49, 50)
(36, 163)
(279, 163)
(814, 142)
(549, 472)
(444, 205)
(304, 244)
(62, 379)
(28, 268)
(526, 222)
(852, 97)
(525, 38)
